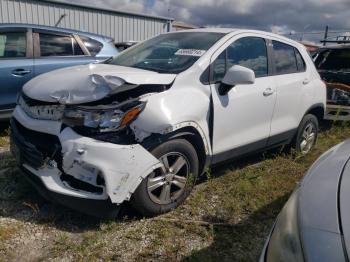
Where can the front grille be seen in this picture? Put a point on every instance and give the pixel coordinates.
(35, 147)
(42, 111)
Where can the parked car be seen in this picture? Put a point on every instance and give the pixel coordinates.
(333, 64)
(28, 50)
(314, 223)
(121, 46)
(144, 126)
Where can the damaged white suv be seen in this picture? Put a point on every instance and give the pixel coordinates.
(144, 125)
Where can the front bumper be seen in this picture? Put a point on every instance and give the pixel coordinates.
(97, 208)
(78, 166)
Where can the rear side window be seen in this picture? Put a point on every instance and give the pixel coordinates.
(12, 45)
(250, 52)
(92, 45)
(58, 45)
(284, 58)
(300, 61)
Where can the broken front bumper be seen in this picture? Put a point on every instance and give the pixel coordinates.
(72, 165)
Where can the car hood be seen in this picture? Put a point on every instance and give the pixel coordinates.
(319, 204)
(88, 83)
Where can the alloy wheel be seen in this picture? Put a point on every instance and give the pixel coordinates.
(166, 184)
(308, 138)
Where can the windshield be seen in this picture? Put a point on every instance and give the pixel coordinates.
(168, 53)
(333, 59)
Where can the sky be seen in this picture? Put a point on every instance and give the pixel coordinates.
(288, 17)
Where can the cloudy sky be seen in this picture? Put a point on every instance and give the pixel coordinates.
(279, 16)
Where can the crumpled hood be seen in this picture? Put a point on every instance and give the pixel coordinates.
(87, 83)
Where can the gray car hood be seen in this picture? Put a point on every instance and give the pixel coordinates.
(87, 83)
(319, 207)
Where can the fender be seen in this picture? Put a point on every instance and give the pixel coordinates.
(172, 110)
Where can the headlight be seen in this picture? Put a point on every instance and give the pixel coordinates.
(106, 119)
(285, 242)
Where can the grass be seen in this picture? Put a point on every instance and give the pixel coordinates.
(226, 218)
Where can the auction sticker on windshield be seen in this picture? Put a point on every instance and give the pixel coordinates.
(190, 52)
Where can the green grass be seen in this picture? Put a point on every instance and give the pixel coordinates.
(226, 218)
(4, 139)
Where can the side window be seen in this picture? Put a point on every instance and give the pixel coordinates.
(12, 45)
(284, 57)
(250, 52)
(58, 45)
(92, 45)
(300, 61)
(220, 67)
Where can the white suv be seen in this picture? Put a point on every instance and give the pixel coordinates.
(144, 125)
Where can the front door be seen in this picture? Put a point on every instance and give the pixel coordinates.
(242, 118)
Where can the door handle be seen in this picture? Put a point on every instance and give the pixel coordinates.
(268, 91)
(20, 72)
(306, 81)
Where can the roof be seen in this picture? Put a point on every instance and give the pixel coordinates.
(57, 29)
(74, 3)
(228, 31)
(236, 30)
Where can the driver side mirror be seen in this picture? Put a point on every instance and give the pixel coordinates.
(236, 75)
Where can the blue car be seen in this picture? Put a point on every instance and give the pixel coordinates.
(30, 50)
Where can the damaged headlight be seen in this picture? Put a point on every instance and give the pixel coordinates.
(107, 118)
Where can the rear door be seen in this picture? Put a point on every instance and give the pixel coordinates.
(16, 65)
(292, 85)
(54, 50)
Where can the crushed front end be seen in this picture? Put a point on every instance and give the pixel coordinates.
(84, 157)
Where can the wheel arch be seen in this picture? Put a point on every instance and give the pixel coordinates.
(190, 134)
(317, 110)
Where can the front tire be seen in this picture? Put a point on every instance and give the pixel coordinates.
(307, 134)
(167, 187)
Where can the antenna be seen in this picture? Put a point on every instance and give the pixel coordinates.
(60, 19)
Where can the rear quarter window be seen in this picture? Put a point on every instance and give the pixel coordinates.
(300, 61)
(92, 45)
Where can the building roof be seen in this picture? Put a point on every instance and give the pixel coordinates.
(72, 3)
(55, 29)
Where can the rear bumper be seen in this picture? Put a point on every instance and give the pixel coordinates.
(82, 168)
(337, 112)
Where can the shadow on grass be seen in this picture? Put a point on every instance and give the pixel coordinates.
(243, 241)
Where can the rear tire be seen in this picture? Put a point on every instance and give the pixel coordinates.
(306, 136)
(168, 187)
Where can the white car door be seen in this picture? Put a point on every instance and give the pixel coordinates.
(292, 86)
(242, 117)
